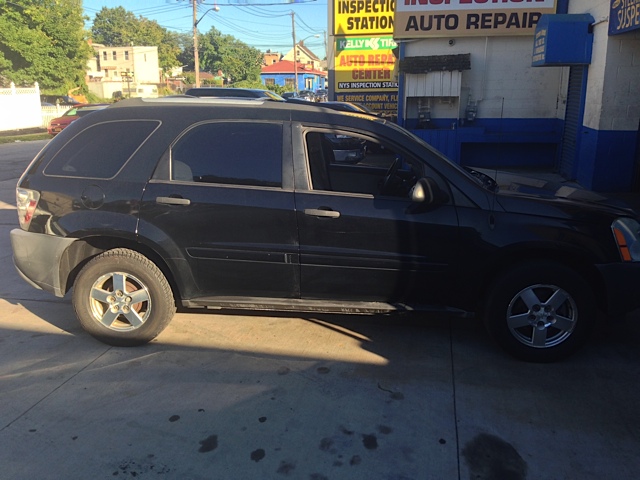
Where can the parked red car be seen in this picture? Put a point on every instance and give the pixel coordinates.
(58, 124)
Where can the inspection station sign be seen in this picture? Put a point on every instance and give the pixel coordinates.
(457, 18)
(363, 17)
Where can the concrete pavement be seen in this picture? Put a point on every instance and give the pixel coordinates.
(236, 396)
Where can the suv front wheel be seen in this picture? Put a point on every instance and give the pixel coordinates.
(122, 298)
(540, 312)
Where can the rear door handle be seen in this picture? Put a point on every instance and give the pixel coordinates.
(318, 212)
(173, 200)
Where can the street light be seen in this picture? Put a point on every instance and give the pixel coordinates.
(196, 59)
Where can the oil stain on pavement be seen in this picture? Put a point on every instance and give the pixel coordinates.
(491, 458)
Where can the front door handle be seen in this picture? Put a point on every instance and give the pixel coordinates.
(319, 212)
(173, 200)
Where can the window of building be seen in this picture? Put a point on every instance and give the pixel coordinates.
(289, 82)
(114, 55)
(126, 54)
(105, 55)
(269, 81)
(238, 153)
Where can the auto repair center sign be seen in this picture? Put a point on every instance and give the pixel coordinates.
(457, 18)
(365, 63)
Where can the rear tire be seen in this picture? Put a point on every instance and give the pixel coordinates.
(122, 298)
(540, 312)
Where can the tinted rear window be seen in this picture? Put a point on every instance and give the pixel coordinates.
(101, 150)
(232, 153)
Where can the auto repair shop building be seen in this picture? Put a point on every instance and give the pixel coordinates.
(535, 84)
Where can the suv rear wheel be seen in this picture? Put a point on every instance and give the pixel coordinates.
(122, 298)
(540, 312)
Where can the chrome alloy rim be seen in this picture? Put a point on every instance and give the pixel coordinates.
(120, 301)
(542, 316)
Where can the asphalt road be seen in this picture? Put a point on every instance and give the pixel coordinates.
(234, 396)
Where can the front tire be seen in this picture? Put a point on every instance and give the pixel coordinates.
(540, 312)
(122, 298)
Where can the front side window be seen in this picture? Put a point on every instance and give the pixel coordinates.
(237, 153)
(350, 163)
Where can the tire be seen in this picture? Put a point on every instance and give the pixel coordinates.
(540, 312)
(122, 298)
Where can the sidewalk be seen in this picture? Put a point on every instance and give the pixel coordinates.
(24, 131)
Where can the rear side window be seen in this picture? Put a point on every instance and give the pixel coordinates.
(101, 150)
(238, 153)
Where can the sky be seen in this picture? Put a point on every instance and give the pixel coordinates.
(263, 24)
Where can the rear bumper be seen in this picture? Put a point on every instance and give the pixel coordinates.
(622, 284)
(37, 259)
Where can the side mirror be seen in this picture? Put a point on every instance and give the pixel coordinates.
(425, 190)
(425, 194)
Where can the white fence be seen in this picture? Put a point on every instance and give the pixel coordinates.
(20, 108)
(50, 112)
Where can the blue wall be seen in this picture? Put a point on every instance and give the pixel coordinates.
(607, 160)
(505, 143)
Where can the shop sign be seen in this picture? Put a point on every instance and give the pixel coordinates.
(457, 18)
(624, 16)
(365, 63)
(363, 17)
(386, 103)
(563, 40)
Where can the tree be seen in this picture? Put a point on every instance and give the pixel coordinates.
(43, 41)
(117, 27)
(237, 60)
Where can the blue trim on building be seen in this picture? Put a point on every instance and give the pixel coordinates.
(607, 160)
(508, 142)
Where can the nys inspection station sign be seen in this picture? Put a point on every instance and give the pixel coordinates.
(458, 18)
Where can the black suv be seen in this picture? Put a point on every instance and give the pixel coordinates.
(226, 203)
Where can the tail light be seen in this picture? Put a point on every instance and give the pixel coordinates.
(26, 201)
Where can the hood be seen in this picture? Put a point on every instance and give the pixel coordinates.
(551, 188)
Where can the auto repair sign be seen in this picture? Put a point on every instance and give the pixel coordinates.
(365, 63)
(457, 18)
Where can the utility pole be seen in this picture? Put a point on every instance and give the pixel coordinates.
(196, 59)
(295, 55)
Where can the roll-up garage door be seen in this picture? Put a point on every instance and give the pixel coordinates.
(572, 121)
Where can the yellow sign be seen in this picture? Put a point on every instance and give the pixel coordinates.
(365, 63)
(458, 18)
(363, 17)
